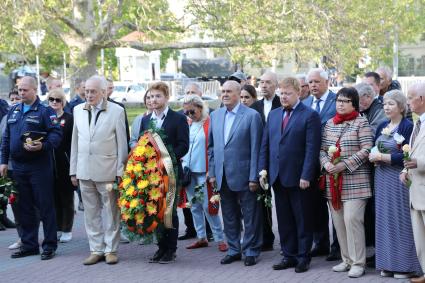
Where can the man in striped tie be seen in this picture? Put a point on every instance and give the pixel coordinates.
(415, 171)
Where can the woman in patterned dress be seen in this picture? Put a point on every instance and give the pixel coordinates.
(395, 247)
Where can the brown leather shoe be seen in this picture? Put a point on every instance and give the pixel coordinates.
(93, 259)
(198, 244)
(111, 258)
(418, 279)
(222, 247)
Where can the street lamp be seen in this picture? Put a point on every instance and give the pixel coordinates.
(36, 39)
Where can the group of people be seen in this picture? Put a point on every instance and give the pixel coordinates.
(321, 152)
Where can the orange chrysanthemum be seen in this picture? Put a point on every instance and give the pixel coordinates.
(151, 208)
(151, 164)
(155, 194)
(154, 178)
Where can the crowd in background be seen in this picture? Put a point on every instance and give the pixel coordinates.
(342, 156)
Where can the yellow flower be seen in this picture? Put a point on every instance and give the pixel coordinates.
(155, 194)
(142, 184)
(129, 168)
(143, 141)
(151, 164)
(126, 182)
(140, 217)
(125, 216)
(134, 203)
(150, 151)
(151, 208)
(139, 151)
(154, 178)
(138, 168)
(123, 202)
(130, 191)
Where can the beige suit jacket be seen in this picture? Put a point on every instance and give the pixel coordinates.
(417, 175)
(98, 153)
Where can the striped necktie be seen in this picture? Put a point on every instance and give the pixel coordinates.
(416, 132)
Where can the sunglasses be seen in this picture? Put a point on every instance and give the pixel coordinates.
(58, 100)
(189, 112)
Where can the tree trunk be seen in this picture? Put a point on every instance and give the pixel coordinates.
(82, 63)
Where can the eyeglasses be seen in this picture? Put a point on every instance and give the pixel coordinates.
(343, 101)
(189, 112)
(58, 100)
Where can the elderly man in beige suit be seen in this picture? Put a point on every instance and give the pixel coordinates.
(415, 171)
(98, 154)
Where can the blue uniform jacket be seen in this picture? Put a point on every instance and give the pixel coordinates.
(39, 118)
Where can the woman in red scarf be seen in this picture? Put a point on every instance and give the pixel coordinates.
(346, 141)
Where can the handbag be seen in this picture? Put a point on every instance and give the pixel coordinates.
(187, 173)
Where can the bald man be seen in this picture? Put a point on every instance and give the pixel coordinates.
(233, 147)
(31, 134)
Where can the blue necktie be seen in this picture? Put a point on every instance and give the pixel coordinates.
(318, 105)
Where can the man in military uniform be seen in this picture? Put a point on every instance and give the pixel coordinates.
(31, 134)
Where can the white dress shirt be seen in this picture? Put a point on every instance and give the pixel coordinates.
(322, 101)
(268, 103)
(159, 119)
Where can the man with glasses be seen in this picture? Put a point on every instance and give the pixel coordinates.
(31, 134)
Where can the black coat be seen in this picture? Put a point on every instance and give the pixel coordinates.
(62, 154)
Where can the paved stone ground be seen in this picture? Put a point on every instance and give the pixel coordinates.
(200, 265)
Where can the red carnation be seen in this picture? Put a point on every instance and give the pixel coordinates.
(12, 198)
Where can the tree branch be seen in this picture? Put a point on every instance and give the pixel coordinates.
(55, 13)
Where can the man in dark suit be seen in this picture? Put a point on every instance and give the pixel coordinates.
(109, 92)
(233, 146)
(176, 129)
(270, 101)
(289, 152)
(323, 102)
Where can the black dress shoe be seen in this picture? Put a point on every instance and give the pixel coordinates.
(267, 248)
(49, 254)
(250, 260)
(333, 256)
(317, 251)
(302, 267)
(231, 258)
(370, 261)
(157, 256)
(187, 236)
(284, 264)
(168, 257)
(22, 253)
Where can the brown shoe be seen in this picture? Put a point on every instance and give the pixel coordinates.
(418, 279)
(222, 247)
(93, 259)
(111, 258)
(198, 244)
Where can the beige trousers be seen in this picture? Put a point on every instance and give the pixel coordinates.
(349, 226)
(418, 225)
(103, 234)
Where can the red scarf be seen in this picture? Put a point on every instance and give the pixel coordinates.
(339, 118)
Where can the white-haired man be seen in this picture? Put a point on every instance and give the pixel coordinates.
(305, 89)
(98, 154)
(322, 101)
(415, 171)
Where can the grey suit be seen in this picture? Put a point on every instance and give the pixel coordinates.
(234, 165)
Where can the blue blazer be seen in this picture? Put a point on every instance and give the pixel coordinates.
(239, 156)
(405, 129)
(293, 154)
(328, 110)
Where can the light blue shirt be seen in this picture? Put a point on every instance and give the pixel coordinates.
(228, 121)
(135, 128)
(197, 151)
(26, 108)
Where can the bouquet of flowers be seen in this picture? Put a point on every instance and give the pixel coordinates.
(7, 192)
(406, 157)
(335, 180)
(148, 189)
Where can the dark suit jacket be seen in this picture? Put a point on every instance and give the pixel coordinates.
(176, 130)
(127, 129)
(293, 154)
(328, 110)
(259, 106)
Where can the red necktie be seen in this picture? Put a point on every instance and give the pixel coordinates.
(286, 119)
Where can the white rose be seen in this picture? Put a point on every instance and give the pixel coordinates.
(188, 205)
(398, 138)
(215, 199)
(263, 173)
(332, 149)
(386, 131)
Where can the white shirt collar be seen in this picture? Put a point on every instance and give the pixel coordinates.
(161, 115)
(269, 100)
(235, 109)
(324, 96)
(422, 118)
